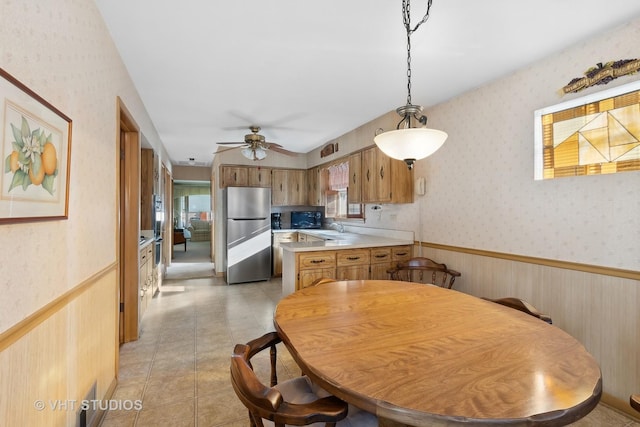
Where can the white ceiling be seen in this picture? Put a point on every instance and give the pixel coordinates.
(308, 72)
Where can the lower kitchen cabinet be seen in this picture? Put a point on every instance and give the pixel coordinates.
(276, 251)
(382, 259)
(380, 263)
(145, 279)
(314, 265)
(348, 264)
(353, 264)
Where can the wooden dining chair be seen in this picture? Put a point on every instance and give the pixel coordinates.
(522, 305)
(295, 402)
(634, 401)
(322, 280)
(424, 270)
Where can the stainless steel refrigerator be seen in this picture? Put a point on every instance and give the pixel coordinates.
(248, 234)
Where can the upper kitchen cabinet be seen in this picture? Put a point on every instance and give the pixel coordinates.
(354, 191)
(316, 186)
(259, 176)
(288, 187)
(385, 180)
(244, 176)
(234, 176)
(146, 189)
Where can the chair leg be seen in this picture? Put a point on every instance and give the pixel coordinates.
(273, 357)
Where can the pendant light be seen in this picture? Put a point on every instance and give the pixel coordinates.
(411, 140)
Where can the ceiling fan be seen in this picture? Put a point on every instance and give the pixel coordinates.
(255, 146)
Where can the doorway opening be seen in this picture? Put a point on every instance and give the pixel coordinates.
(193, 225)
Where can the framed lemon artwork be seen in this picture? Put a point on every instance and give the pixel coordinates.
(36, 148)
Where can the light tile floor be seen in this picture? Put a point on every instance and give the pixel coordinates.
(179, 367)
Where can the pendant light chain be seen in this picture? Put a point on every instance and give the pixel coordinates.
(408, 143)
(406, 15)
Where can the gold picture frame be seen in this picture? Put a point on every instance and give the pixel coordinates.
(36, 153)
(592, 135)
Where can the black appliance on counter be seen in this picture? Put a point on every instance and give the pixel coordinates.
(306, 220)
(276, 221)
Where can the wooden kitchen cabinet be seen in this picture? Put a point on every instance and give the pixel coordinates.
(234, 176)
(244, 176)
(352, 264)
(145, 279)
(400, 253)
(385, 180)
(354, 191)
(259, 176)
(380, 263)
(348, 264)
(279, 238)
(314, 265)
(288, 187)
(279, 187)
(316, 186)
(384, 258)
(146, 189)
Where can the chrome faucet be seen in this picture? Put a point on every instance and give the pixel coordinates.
(338, 226)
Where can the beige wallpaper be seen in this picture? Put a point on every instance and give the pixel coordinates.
(61, 50)
(480, 188)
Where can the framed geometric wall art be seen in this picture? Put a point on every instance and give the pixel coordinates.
(592, 135)
(36, 150)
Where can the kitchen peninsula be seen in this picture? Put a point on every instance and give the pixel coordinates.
(357, 254)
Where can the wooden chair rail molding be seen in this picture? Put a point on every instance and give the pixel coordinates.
(17, 331)
(567, 265)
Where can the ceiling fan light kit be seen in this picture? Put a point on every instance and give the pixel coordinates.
(255, 146)
(406, 142)
(254, 153)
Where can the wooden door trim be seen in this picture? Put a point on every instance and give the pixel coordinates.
(128, 222)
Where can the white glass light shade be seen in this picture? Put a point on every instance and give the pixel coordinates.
(260, 154)
(254, 154)
(248, 153)
(414, 143)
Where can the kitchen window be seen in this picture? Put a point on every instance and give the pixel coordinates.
(337, 205)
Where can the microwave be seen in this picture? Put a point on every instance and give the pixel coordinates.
(306, 219)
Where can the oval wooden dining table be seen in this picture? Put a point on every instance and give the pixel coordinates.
(422, 355)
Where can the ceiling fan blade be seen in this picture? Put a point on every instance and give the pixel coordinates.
(222, 150)
(231, 143)
(278, 149)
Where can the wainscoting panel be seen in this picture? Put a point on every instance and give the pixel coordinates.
(51, 363)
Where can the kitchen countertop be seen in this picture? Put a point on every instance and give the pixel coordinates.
(146, 242)
(336, 240)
